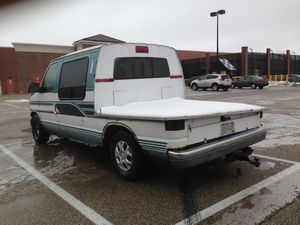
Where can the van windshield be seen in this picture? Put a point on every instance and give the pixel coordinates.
(140, 67)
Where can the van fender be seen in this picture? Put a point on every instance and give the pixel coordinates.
(117, 124)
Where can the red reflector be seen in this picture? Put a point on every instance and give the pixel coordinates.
(173, 125)
(176, 76)
(141, 49)
(104, 80)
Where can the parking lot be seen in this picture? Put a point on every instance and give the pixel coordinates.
(69, 183)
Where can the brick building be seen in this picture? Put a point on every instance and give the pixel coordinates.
(246, 63)
(25, 63)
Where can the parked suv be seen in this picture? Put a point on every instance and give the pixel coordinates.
(250, 81)
(294, 77)
(214, 81)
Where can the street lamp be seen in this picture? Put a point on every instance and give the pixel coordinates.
(252, 61)
(213, 14)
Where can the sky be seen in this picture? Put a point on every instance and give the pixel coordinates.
(182, 24)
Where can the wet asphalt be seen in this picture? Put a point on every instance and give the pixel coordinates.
(163, 195)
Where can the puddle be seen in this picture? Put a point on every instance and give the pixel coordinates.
(59, 164)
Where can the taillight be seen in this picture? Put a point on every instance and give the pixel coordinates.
(141, 49)
(173, 125)
(222, 78)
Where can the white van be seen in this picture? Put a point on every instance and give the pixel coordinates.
(129, 98)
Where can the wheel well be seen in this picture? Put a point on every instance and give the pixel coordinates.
(214, 84)
(110, 130)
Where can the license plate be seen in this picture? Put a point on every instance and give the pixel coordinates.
(227, 128)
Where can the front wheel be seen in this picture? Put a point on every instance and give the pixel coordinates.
(126, 156)
(195, 87)
(39, 134)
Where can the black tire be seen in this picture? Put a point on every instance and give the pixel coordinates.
(225, 88)
(240, 87)
(215, 87)
(253, 86)
(39, 134)
(233, 86)
(195, 87)
(126, 156)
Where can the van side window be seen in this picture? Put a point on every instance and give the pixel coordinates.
(140, 67)
(49, 80)
(73, 79)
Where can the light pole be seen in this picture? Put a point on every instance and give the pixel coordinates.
(252, 62)
(213, 14)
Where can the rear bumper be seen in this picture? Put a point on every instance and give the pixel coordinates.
(207, 152)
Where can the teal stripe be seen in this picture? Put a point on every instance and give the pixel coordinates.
(153, 146)
(155, 150)
(152, 142)
(95, 133)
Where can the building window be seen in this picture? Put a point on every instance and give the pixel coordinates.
(49, 81)
(138, 68)
(73, 79)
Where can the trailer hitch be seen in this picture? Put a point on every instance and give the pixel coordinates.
(245, 155)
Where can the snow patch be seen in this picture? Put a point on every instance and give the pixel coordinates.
(176, 108)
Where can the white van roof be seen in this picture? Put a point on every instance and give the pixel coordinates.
(99, 46)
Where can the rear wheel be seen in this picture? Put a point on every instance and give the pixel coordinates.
(215, 87)
(40, 135)
(195, 87)
(126, 156)
(253, 86)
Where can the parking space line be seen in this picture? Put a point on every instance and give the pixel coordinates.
(276, 159)
(217, 207)
(70, 199)
(17, 143)
(11, 105)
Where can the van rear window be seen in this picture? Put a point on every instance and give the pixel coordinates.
(140, 67)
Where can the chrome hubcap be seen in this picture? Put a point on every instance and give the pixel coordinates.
(123, 155)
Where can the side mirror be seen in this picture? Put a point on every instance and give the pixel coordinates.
(33, 88)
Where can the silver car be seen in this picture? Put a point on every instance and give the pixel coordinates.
(214, 81)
